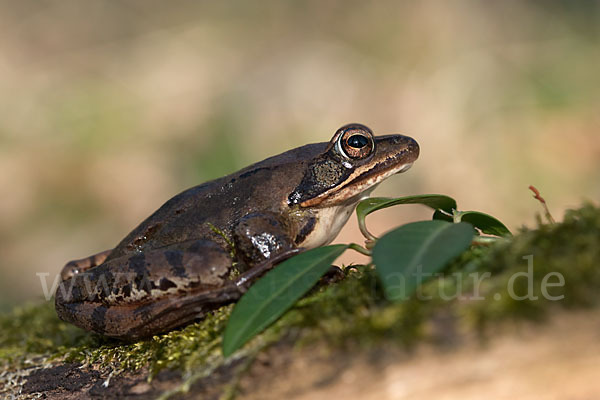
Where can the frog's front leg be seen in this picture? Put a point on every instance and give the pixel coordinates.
(74, 267)
(261, 236)
(147, 293)
(262, 240)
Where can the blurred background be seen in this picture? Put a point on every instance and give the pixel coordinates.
(108, 109)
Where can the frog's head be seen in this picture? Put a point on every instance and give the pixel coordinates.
(353, 163)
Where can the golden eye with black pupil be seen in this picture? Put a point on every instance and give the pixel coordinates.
(357, 143)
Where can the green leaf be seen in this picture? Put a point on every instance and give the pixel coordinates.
(273, 294)
(485, 223)
(407, 256)
(367, 206)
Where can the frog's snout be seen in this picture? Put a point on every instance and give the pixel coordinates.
(409, 147)
(413, 147)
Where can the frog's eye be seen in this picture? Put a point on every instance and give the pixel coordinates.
(357, 143)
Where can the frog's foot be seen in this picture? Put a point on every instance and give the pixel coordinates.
(247, 278)
(333, 275)
(75, 267)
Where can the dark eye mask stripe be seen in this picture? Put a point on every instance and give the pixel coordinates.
(320, 177)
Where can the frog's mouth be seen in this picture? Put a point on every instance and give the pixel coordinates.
(368, 180)
(359, 185)
(405, 168)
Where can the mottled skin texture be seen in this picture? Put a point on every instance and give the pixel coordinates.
(205, 246)
(222, 203)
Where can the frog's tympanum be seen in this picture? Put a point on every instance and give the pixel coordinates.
(204, 247)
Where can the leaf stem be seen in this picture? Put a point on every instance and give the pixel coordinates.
(360, 249)
(538, 197)
(457, 216)
(486, 240)
(362, 225)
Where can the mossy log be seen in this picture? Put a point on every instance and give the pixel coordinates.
(342, 333)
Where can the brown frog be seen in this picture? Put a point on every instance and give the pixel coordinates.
(205, 246)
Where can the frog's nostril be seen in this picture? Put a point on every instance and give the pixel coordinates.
(413, 146)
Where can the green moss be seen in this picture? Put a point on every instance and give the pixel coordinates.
(34, 330)
(186, 349)
(352, 312)
(569, 249)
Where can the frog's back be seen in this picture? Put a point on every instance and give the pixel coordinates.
(210, 210)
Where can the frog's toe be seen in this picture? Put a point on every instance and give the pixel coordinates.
(75, 267)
